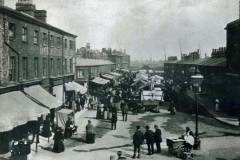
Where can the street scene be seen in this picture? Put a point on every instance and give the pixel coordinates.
(107, 80)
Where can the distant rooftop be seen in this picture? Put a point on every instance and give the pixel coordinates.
(83, 62)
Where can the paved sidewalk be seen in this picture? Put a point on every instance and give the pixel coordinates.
(209, 108)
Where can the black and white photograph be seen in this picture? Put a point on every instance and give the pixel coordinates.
(119, 79)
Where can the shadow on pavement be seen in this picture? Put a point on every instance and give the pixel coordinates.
(103, 148)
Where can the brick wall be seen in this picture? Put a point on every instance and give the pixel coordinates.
(4, 58)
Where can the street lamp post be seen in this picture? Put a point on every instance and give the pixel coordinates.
(197, 81)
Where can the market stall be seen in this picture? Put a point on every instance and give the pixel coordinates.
(13, 103)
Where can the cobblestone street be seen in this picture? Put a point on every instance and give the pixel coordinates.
(108, 142)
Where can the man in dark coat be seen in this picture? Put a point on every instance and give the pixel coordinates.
(114, 118)
(82, 101)
(158, 138)
(138, 139)
(149, 136)
(124, 108)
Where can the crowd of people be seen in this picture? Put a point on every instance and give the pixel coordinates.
(108, 104)
(150, 138)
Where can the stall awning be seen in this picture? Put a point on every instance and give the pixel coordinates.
(42, 96)
(79, 88)
(100, 81)
(62, 116)
(74, 86)
(17, 109)
(115, 74)
(58, 91)
(124, 70)
(108, 77)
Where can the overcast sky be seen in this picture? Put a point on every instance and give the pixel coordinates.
(143, 27)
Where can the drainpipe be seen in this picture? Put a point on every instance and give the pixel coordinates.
(10, 47)
(49, 71)
(63, 79)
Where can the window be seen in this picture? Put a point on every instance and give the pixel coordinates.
(71, 44)
(12, 31)
(80, 74)
(65, 44)
(65, 66)
(24, 34)
(36, 67)
(44, 63)
(25, 68)
(45, 39)
(52, 66)
(71, 65)
(59, 66)
(58, 42)
(52, 41)
(35, 37)
(12, 69)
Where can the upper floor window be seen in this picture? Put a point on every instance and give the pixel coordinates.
(59, 66)
(24, 34)
(45, 39)
(52, 66)
(58, 42)
(12, 69)
(36, 67)
(79, 74)
(35, 37)
(25, 68)
(71, 44)
(65, 66)
(12, 31)
(44, 66)
(65, 44)
(52, 41)
(71, 65)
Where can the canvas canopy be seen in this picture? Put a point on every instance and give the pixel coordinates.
(100, 81)
(62, 116)
(108, 76)
(17, 109)
(73, 86)
(115, 74)
(58, 92)
(41, 95)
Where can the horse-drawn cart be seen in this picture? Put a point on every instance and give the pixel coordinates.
(151, 99)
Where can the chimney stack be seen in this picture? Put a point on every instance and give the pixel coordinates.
(26, 6)
(41, 15)
(1, 3)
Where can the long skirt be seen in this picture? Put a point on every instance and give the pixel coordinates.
(58, 146)
(90, 138)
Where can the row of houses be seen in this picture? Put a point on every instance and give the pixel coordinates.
(221, 71)
(33, 51)
(38, 64)
(118, 57)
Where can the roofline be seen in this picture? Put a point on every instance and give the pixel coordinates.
(19, 15)
(94, 65)
(232, 23)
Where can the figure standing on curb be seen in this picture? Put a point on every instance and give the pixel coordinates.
(158, 138)
(124, 109)
(138, 139)
(114, 118)
(149, 136)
